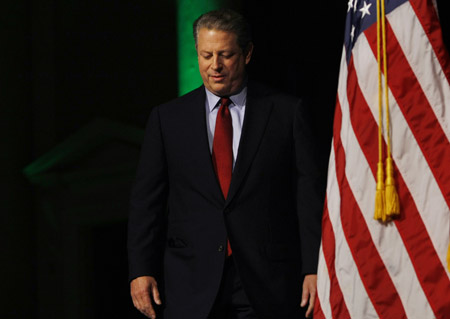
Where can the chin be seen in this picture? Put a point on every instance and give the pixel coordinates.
(219, 90)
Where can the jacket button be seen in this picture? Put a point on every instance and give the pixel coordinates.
(220, 248)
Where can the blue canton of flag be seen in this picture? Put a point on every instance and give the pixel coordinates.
(362, 14)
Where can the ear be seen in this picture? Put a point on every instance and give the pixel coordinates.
(248, 52)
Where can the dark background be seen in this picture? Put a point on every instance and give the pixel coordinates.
(78, 80)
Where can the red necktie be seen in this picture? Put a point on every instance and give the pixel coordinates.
(222, 152)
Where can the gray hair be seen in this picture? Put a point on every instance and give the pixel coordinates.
(225, 20)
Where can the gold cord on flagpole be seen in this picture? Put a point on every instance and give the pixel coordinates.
(448, 258)
(392, 200)
(380, 209)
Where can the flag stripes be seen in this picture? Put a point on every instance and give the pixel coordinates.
(352, 285)
(337, 302)
(434, 212)
(411, 227)
(367, 269)
(388, 239)
(417, 112)
(323, 286)
(425, 12)
(372, 270)
(318, 314)
(422, 62)
(356, 299)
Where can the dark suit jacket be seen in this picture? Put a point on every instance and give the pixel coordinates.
(179, 220)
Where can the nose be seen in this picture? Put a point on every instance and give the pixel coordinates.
(216, 63)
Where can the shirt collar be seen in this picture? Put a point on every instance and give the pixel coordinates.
(238, 99)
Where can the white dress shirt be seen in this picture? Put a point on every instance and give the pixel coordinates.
(237, 111)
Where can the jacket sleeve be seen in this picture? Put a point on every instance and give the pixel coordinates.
(148, 204)
(311, 182)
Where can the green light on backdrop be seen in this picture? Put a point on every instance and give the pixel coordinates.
(187, 11)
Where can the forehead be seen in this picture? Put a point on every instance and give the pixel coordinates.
(214, 38)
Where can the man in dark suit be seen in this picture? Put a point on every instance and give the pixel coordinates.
(226, 207)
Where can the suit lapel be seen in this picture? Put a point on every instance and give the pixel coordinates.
(196, 116)
(256, 116)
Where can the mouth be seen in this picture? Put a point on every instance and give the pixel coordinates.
(217, 78)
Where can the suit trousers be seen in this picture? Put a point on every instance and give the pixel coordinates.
(231, 301)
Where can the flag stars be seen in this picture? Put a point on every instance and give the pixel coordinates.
(350, 5)
(352, 33)
(365, 9)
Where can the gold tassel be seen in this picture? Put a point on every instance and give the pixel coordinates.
(380, 200)
(392, 200)
(448, 258)
(387, 203)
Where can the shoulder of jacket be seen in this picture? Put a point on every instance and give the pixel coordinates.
(262, 90)
(191, 97)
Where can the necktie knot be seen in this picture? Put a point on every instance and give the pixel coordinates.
(224, 102)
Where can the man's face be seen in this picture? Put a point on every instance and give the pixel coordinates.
(221, 61)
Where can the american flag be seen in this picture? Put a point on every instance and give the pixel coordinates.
(397, 270)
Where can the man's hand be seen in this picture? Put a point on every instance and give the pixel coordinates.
(309, 293)
(141, 288)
